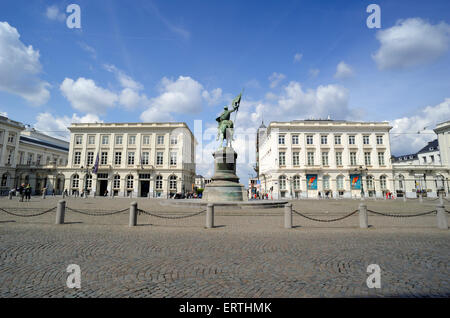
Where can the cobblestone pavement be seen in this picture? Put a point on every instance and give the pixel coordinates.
(247, 254)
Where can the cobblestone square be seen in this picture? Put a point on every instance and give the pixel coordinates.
(247, 254)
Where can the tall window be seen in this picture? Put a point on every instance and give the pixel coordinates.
(159, 182)
(353, 158)
(10, 156)
(282, 158)
(146, 140)
(379, 140)
(296, 158)
(173, 158)
(383, 182)
(89, 181)
(281, 139)
(173, 183)
(160, 140)
(105, 140)
(309, 140)
(118, 158)
(91, 140)
(4, 180)
(130, 182)
(369, 182)
(145, 157)
(78, 140)
(296, 182)
(310, 158)
(11, 138)
(351, 140)
(119, 140)
(132, 140)
(365, 140)
(326, 182)
(30, 159)
(116, 183)
(340, 182)
(38, 159)
(381, 158)
(173, 140)
(323, 140)
(295, 139)
(367, 158)
(159, 158)
(104, 158)
(75, 181)
(90, 158)
(131, 158)
(325, 158)
(338, 158)
(77, 158)
(401, 180)
(337, 140)
(282, 182)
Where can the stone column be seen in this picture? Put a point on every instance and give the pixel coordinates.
(288, 216)
(363, 219)
(210, 216)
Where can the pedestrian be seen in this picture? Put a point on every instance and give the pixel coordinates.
(28, 193)
(22, 192)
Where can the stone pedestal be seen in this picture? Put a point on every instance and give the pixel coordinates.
(225, 184)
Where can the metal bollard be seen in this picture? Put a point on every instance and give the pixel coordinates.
(210, 216)
(404, 197)
(420, 198)
(363, 220)
(288, 216)
(133, 214)
(441, 199)
(441, 217)
(60, 212)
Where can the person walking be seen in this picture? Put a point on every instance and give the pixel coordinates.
(28, 193)
(22, 192)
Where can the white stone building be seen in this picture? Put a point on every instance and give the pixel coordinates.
(134, 159)
(308, 158)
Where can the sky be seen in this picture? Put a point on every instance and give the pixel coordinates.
(145, 61)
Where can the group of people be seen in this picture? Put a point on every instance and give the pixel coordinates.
(24, 192)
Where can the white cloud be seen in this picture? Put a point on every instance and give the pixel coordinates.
(88, 49)
(85, 96)
(212, 97)
(314, 72)
(297, 57)
(153, 114)
(131, 99)
(4, 114)
(124, 80)
(343, 70)
(275, 79)
(405, 138)
(19, 68)
(57, 126)
(411, 42)
(53, 13)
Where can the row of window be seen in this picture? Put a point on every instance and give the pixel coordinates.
(30, 159)
(338, 157)
(129, 182)
(145, 158)
(326, 182)
(119, 140)
(324, 140)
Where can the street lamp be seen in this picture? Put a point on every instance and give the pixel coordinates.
(361, 170)
(86, 179)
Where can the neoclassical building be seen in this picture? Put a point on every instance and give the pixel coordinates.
(130, 159)
(308, 158)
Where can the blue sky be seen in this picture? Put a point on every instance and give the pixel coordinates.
(146, 60)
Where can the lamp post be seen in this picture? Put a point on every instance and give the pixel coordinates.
(85, 181)
(361, 170)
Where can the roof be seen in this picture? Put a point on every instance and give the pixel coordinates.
(431, 146)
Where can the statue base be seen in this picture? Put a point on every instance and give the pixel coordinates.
(225, 184)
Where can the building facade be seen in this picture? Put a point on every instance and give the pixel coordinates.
(312, 158)
(130, 159)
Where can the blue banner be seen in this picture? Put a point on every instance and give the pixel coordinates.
(355, 181)
(311, 180)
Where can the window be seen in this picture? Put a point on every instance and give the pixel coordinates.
(132, 140)
(11, 137)
(159, 182)
(309, 140)
(160, 140)
(159, 158)
(131, 158)
(369, 182)
(383, 182)
(367, 158)
(295, 139)
(105, 140)
(173, 158)
(10, 156)
(401, 179)
(104, 159)
(144, 176)
(379, 140)
(76, 158)
(282, 182)
(325, 158)
(353, 158)
(130, 182)
(326, 182)
(90, 158)
(281, 139)
(30, 159)
(75, 181)
(145, 157)
(424, 159)
(381, 158)
(432, 158)
(78, 140)
(146, 140)
(282, 158)
(310, 158)
(351, 140)
(365, 140)
(340, 182)
(118, 158)
(4, 180)
(119, 140)
(116, 183)
(296, 182)
(89, 181)
(91, 140)
(173, 183)
(296, 158)
(338, 158)
(173, 140)
(337, 140)
(38, 159)
(323, 140)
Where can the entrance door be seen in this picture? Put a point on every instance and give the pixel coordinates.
(103, 187)
(145, 188)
